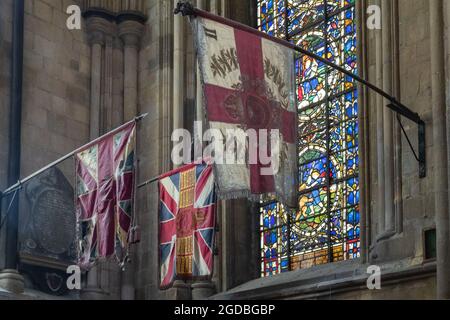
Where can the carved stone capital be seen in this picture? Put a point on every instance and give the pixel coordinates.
(99, 29)
(117, 43)
(130, 32)
(115, 6)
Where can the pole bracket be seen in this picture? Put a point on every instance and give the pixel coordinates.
(422, 150)
(185, 8)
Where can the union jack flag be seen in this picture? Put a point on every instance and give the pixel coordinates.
(105, 194)
(187, 222)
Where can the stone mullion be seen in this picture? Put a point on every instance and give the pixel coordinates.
(364, 166)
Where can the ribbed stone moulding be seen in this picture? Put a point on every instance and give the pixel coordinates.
(115, 6)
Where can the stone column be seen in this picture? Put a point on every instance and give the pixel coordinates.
(364, 168)
(224, 8)
(380, 133)
(440, 159)
(388, 118)
(118, 84)
(396, 90)
(201, 289)
(215, 6)
(199, 114)
(107, 88)
(180, 289)
(96, 29)
(199, 95)
(130, 33)
(97, 41)
(178, 70)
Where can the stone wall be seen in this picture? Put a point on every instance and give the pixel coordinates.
(414, 197)
(56, 85)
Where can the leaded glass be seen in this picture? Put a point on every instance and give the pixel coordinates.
(326, 226)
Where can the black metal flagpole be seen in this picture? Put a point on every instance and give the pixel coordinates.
(187, 9)
(19, 184)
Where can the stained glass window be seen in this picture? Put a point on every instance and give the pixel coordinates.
(326, 226)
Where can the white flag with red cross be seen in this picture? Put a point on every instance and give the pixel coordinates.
(249, 88)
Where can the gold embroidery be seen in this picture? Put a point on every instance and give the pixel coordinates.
(184, 255)
(187, 188)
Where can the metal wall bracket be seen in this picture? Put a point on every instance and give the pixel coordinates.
(422, 150)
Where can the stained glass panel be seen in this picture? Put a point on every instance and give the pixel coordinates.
(326, 226)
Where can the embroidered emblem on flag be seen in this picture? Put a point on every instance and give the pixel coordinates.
(105, 194)
(249, 84)
(186, 224)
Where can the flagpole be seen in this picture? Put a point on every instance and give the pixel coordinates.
(19, 184)
(187, 9)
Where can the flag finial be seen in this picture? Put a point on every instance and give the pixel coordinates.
(185, 8)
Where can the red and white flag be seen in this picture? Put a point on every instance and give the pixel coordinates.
(249, 84)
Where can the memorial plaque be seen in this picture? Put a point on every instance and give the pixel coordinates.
(53, 216)
(48, 231)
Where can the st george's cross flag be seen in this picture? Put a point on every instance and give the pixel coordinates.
(249, 83)
(105, 173)
(186, 224)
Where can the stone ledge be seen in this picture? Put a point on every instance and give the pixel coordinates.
(324, 280)
(33, 295)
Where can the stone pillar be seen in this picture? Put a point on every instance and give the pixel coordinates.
(96, 40)
(380, 133)
(96, 28)
(178, 70)
(180, 291)
(202, 290)
(440, 159)
(199, 94)
(115, 29)
(388, 118)
(130, 33)
(364, 168)
(118, 84)
(224, 8)
(215, 6)
(396, 90)
(107, 88)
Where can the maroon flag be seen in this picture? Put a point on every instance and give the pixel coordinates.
(105, 194)
(249, 85)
